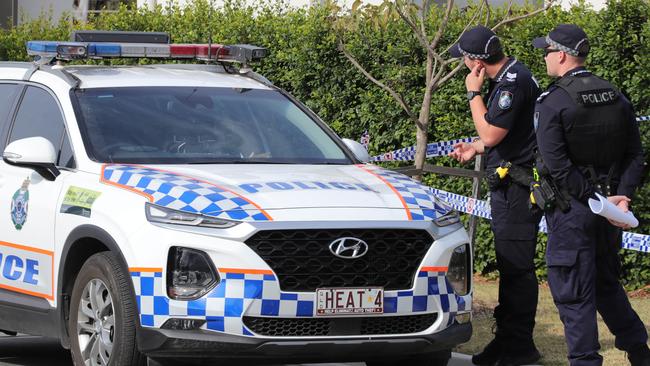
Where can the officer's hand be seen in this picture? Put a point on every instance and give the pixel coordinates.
(475, 78)
(463, 152)
(622, 202)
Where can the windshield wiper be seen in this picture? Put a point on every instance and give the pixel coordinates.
(238, 161)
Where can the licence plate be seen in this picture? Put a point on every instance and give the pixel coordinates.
(349, 301)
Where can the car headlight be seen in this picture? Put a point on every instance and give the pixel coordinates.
(458, 272)
(165, 215)
(190, 274)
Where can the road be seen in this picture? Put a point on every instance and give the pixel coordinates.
(24, 350)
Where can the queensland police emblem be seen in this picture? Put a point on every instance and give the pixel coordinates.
(505, 99)
(19, 205)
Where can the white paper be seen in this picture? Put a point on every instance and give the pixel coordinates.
(604, 208)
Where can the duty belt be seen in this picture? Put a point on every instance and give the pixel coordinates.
(507, 172)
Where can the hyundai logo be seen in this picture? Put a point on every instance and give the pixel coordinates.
(349, 248)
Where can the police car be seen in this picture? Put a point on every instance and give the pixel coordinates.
(195, 211)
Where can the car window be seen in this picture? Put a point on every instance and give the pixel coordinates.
(39, 115)
(66, 155)
(9, 93)
(177, 125)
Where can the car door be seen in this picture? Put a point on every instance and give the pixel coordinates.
(28, 202)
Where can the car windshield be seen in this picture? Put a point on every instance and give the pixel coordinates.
(200, 125)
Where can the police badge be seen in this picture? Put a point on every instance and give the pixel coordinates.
(19, 205)
(505, 99)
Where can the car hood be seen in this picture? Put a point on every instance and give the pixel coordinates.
(273, 191)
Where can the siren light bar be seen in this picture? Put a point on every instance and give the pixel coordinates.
(122, 45)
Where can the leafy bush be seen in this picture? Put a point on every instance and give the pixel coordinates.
(305, 61)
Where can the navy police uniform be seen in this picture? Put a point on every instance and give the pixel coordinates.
(589, 141)
(510, 104)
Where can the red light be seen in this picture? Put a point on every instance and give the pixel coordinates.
(183, 50)
(217, 50)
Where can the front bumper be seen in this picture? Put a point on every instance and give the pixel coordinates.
(204, 346)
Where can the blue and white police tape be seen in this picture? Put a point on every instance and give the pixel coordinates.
(480, 208)
(441, 148)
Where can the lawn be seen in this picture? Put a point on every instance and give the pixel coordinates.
(549, 335)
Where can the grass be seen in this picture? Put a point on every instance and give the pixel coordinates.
(549, 333)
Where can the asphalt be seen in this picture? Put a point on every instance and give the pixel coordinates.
(24, 350)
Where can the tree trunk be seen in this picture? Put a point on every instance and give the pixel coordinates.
(422, 135)
(421, 149)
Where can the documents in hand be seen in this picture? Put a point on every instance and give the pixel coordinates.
(604, 208)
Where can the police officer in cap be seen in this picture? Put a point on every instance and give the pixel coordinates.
(503, 119)
(589, 142)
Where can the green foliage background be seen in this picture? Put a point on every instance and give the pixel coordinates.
(304, 60)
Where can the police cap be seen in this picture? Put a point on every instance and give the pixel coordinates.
(478, 43)
(565, 37)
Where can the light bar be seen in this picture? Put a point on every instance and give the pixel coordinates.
(79, 50)
(42, 48)
(120, 37)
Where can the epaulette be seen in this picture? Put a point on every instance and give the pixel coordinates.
(546, 93)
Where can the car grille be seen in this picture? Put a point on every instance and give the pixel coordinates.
(303, 262)
(313, 327)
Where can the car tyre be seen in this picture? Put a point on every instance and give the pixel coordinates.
(440, 358)
(103, 312)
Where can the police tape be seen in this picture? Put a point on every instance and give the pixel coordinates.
(441, 148)
(480, 208)
(434, 149)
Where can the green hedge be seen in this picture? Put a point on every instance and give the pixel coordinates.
(304, 60)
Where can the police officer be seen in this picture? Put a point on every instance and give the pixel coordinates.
(503, 119)
(589, 142)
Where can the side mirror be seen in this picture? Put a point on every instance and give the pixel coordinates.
(358, 150)
(37, 153)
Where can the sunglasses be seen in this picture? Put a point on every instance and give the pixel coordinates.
(549, 50)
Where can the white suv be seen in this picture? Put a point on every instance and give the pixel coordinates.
(196, 212)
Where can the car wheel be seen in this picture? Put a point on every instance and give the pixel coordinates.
(103, 315)
(440, 358)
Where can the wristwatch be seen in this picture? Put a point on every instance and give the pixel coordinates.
(472, 94)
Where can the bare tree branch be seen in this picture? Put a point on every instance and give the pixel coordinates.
(390, 91)
(527, 15)
(420, 36)
(509, 7)
(450, 74)
(443, 25)
(476, 15)
(488, 13)
(423, 13)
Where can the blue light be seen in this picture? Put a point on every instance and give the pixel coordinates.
(104, 50)
(41, 47)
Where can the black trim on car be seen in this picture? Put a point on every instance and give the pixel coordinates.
(203, 346)
(27, 314)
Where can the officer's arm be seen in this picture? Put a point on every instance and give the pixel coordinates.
(504, 110)
(552, 146)
(490, 135)
(632, 167)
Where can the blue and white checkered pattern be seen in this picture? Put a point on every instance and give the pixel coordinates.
(637, 242)
(441, 148)
(472, 206)
(259, 295)
(420, 200)
(468, 205)
(183, 193)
